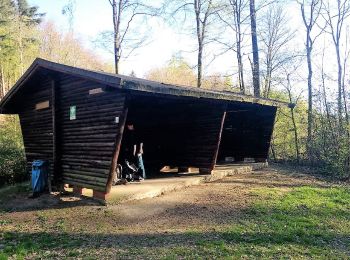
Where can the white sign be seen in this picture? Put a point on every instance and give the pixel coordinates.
(72, 113)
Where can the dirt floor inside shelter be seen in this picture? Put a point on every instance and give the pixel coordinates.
(206, 208)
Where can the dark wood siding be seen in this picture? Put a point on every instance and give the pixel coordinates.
(247, 132)
(200, 136)
(177, 132)
(37, 124)
(88, 142)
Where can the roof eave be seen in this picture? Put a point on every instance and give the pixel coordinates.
(40, 63)
(157, 88)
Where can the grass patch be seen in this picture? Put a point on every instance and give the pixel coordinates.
(305, 221)
(19, 246)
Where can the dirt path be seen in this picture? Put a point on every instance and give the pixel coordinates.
(204, 206)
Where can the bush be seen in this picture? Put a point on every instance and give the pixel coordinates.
(12, 157)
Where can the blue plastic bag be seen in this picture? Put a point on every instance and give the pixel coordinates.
(39, 176)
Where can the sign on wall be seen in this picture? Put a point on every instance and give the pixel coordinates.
(72, 113)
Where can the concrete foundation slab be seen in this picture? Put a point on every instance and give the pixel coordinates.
(155, 187)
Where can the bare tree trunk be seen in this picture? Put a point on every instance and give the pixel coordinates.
(296, 142)
(256, 71)
(273, 150)
(199, 62)
(237, 11)
(309, 18)
(3, 86)
(200, 44)
(328, 113)
(340, 91)
(20, 43)
(295, 129)
(309, 144)
(268, 81)
(201, 26)
(116, 7)
(240, 68)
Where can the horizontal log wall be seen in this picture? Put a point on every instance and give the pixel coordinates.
(177, 132)
(37, 124)
(247, 132)
(88, 142)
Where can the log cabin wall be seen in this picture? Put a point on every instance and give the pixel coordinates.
(247, 132)
(180, 126)
(35, 114)
(88, 141)
(177, 132)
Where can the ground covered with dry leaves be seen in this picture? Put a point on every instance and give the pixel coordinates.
(272, 213)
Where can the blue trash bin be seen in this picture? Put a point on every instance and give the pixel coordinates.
(39, 175)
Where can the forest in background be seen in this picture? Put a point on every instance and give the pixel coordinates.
(315, 132)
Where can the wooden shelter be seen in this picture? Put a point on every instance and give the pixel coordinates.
(75, 118)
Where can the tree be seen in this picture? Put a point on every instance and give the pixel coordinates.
(255, 48)
(234, 17)
(26, 17)
(237, 7)
(203, 10)
(67, 49)
(125, 13)
(177, 72)
(17, 39)
(69, 10)
(310, 12)
(335, 23)
(275, 36)
(203, 14)
(6, 12)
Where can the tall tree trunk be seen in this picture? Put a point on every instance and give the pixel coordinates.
(268, 81)
(256, 71)
(116, 7)
(309, 145)
(200, 37)
(237, 16)
(340, 91)
(21, 49)
(295, 129)
(199, 63)
(328, 112)
(240, 68)
(3, 86)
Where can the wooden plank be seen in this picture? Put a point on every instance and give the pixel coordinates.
(219, 139)
(116, 150)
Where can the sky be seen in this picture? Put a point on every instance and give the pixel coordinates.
(92, 17)
(95, 16)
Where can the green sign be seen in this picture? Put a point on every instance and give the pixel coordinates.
(73, 113)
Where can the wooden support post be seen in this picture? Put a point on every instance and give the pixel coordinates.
(215, 157)
(118, 142)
